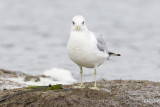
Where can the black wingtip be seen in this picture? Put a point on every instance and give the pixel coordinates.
(118, 54)
(114, 54)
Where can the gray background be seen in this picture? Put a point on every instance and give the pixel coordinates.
(34, 34)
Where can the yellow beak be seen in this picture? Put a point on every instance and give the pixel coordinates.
(78, 27)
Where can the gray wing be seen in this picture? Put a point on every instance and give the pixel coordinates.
(101, 45)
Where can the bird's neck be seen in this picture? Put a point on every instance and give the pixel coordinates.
(84, 30)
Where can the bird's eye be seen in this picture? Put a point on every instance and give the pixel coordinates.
(83, 23)
(73, 23)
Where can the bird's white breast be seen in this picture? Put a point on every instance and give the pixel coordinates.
(82, 49)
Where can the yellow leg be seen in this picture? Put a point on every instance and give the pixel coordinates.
(95, 77)
(81, 71)
(81, 85)
(95, 86)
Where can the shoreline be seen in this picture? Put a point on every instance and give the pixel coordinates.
(121, 93)
(12, 79)
(113, 93)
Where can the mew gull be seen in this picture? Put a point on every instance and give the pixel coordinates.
(85, 48)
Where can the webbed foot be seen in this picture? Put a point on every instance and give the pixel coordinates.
(94, 88)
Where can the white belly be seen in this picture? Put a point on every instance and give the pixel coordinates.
(83, 51)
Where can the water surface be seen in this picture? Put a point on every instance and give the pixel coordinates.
(34, 34)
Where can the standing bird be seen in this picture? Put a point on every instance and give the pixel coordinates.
(85, 48)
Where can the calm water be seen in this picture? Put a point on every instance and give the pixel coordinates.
(34, 34)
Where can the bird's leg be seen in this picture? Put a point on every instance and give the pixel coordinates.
(95, 77)
(95, 86)
(81, 72)
(81, 85)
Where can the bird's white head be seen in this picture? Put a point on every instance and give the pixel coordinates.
(78, 24)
